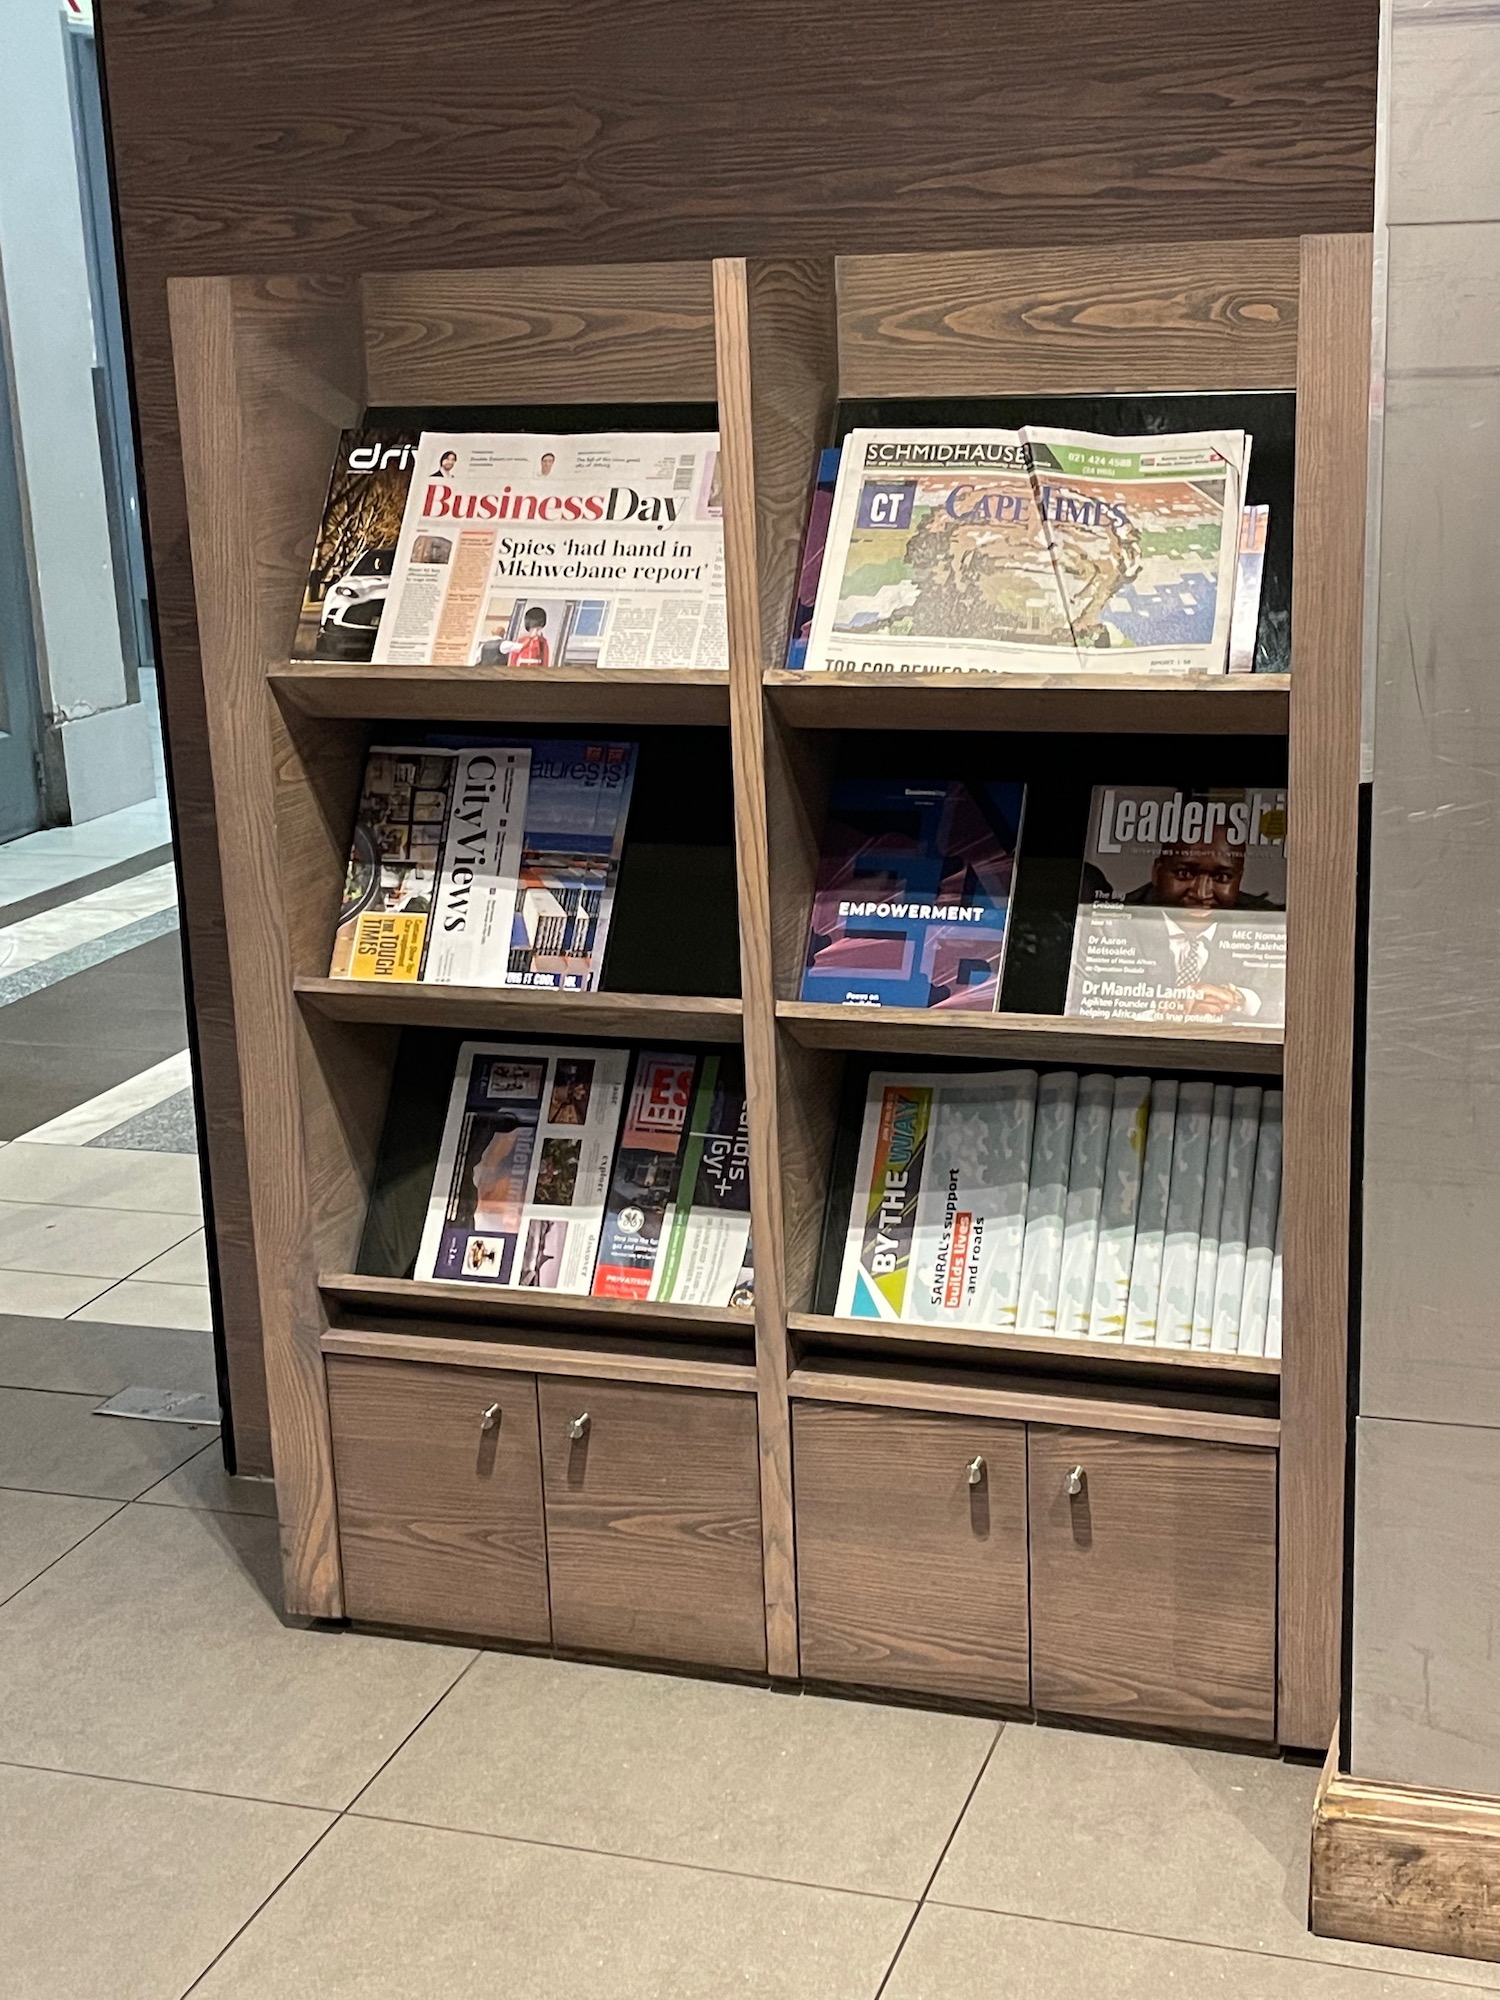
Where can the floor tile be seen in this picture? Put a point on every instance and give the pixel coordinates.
(407, 1913)
(93, 1177)
(45, 1295)
(127, 1892)
(88, 1122)
(38, 1081)
(984, 1957)
(84, 1242)
(168, 1127)
(37, 1528)
(203, 1482)
(1152, 1838)
(185, 1264)
(133, 1303)
(153, 1652)
(847, 1795)
(52, 1443)
(100, 1357)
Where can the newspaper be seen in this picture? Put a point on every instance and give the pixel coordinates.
(1182, 907)
(985, 550)
(523, 1170)
(533, 553)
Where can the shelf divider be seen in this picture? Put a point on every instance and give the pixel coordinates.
(491, 694)
(1102, 703)
(523, 1009)
(1249, 1374)
(559, 1312)
(1041, 1037)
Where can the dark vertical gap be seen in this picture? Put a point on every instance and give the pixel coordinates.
(1356, 1257)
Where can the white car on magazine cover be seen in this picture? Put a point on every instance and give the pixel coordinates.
(354, 603)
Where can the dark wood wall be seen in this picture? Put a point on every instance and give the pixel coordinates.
(353, 135)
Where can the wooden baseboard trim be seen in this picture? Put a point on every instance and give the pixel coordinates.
(1395, 1865)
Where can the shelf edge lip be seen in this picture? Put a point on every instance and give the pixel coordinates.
(613, 677)
(1097, 1355)
(399, 1000)
(511, 1305)
(1061, 1028)
(454, 1350)
(1045, 1405)
(1025, 681)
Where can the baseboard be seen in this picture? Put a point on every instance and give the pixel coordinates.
(1395, 1865)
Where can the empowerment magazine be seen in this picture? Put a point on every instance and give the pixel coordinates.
(975, 551)
(535, 553)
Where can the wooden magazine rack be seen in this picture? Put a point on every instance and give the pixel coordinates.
(656, 1482)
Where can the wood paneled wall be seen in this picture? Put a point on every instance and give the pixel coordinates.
(256, 135)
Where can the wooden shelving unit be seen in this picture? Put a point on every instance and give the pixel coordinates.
(689, 1465)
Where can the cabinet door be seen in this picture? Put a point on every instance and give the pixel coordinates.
(653, 1521)
(1153, 1585)
(439, 1497)
(909, 1574)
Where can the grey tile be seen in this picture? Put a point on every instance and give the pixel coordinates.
(37, 1528)
(94, 1357)
(168, 1127)
(153, 1652)
(127, 1892)
(1444, 115)
(185, 1264)
(84, 1242)
(953, 1953)
(844, 1794)
(44, 1295)
(383, 1912)
(87, 1177)
(1426, 1606)
(1197, 1845)
(40, 1080)
(52, 1443)
(139, 1302)
(203, 1482)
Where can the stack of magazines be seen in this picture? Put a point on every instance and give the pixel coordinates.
(578, 1170)
(1091, 1207)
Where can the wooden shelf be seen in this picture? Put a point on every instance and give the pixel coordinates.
(489, 694)
(975, 1394)
(1137, 704)
(563, 1313)
(673, 1371)
(1042, 1037)
(513, 1010)
(1252, 1374)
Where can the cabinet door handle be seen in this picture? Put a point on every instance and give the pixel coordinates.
(975, 1470)
(579, 1428)
(490, 1421)
(1074, 1483)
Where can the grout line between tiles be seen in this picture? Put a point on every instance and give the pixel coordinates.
(339, 1817)
(1208, 1944)
(158, 1785)
(620, 1854)
(119, 1507)
(942, 1857)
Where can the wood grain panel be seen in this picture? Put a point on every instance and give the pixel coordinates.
(440, 1517)
(908, 1576)
(653, 1523)
(267, 373)
(1252, 1372)
(1046, 1037)
(1153, 1590)
(433, 1298)
(514, 1010)
(544, 1350)
(1108, 704)
(777, 384)
(1412, 1869)
(972, 1392)
(482, 694)
(1070, 321)
(1322, 888)
(600, 333)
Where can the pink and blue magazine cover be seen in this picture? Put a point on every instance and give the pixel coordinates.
(912, 904)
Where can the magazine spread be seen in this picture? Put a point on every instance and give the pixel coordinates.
(534, 552)
(976, 551)
(1182, 907)
(913, 894)
(523, 1170)
(350, 571)
(393, 865)
(678, 1220)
